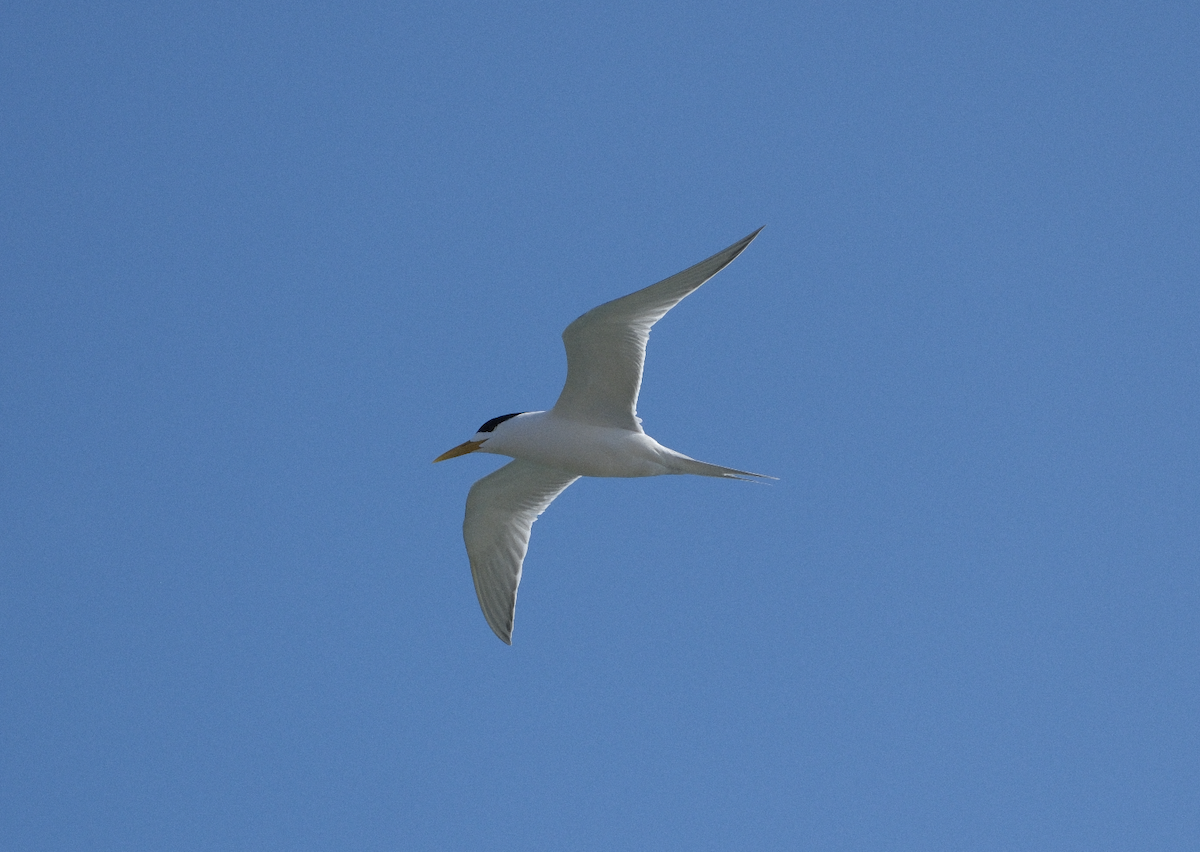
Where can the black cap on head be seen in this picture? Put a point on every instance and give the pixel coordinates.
(496, 421)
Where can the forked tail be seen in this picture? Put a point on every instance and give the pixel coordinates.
(682, 464)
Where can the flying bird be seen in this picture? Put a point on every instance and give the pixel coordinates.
(593, 430)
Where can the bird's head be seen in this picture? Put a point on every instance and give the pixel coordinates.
(481, 437)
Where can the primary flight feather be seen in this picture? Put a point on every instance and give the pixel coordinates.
(593, 430)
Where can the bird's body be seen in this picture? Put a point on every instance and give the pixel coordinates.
(582, 448)
(593, 430)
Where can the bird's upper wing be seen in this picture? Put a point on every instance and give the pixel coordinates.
(501, 508)
(607, 346)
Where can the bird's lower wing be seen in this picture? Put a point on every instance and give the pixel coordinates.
(501, 509)
(606, 347)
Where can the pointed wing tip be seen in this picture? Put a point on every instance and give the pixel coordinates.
(749, 239)
(740, 246)
(501, 624)
(504, 636)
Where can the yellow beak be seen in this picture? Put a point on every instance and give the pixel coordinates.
(460, 450)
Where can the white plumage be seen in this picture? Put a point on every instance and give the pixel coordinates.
(593, 430)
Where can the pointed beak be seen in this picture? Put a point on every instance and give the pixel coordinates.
(460, 450)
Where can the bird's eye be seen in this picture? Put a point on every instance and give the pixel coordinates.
(496, 421)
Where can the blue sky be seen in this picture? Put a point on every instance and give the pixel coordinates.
(263, 262)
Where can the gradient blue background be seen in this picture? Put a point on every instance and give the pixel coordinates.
(262, 262)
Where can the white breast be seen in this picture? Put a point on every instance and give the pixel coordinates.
(581, 448)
